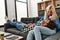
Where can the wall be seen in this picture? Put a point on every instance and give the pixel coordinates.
(32, 8)
(11, 9)
(2, 12)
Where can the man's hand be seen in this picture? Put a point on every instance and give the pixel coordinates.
(44, 22)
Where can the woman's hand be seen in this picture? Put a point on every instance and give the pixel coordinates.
(54, 15)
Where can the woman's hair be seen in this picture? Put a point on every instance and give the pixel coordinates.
(53, 11)
(48, 7)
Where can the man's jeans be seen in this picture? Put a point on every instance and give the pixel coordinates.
(38, 30)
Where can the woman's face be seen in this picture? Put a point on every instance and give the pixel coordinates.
(49, 11)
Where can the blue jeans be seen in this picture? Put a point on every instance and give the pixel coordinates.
(38, 30)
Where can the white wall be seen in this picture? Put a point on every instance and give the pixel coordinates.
(2, 12)
(32, 5)
(11, 9)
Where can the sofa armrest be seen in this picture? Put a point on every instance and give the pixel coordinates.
(6, 26)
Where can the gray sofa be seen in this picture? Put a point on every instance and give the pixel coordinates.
(14, 30)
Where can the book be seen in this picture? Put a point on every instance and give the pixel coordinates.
(12, 37)
(7, 34)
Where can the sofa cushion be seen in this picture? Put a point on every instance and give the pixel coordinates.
(41, 13)
(54, 37)
(13, 30)
(30, 20)
(59, 38)
(27, 20)
(58, 11)
(17, 32)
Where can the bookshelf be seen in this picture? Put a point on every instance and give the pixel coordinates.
(42, 5)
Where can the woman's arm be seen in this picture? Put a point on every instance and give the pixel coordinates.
(46, 18)
(54, 15)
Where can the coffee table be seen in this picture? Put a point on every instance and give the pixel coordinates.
(18, 37)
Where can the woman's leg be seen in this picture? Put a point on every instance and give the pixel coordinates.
(38, 30)
(30, 35)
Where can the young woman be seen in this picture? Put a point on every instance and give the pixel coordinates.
(50, 14)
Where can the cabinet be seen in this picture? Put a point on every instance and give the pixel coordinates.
(42, 5)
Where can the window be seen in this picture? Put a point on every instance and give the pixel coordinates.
(2, 12)
(22, 0)
(21, 6)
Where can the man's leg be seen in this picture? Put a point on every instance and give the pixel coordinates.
(30, 35)
(38, 30)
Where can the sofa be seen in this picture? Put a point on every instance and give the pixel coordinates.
(14, 30)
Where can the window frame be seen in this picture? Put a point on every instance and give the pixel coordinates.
(16, 7)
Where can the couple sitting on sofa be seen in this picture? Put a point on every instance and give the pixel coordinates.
(41, 25)
(42, 28)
